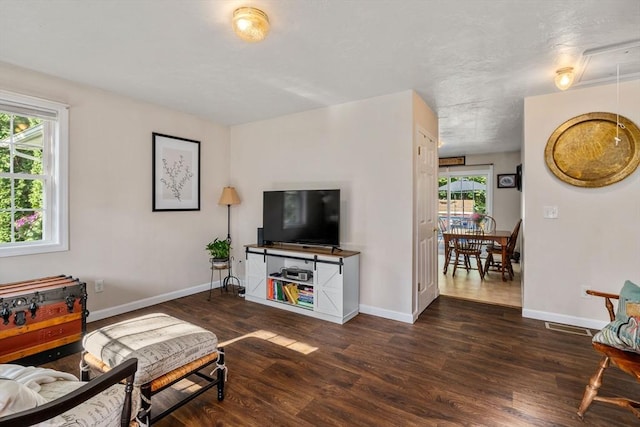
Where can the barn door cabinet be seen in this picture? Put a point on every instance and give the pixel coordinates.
(315, 282)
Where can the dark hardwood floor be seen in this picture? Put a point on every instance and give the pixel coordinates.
(461, 364)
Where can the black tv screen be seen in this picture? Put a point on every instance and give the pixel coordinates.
(302, 216)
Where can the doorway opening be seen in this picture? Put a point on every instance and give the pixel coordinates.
(463, 192)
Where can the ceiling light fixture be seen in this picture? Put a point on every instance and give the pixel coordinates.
(564, 78)
(250, 24)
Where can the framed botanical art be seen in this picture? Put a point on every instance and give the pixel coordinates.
(507, 180)
(176, 173)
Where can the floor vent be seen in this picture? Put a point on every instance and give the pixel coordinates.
(568, 329)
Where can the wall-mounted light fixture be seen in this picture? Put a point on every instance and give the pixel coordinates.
(564, 78)
(250, 24)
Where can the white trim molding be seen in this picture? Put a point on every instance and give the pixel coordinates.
(564, 319)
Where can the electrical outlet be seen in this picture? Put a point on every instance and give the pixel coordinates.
(99, 286)
(583, 292)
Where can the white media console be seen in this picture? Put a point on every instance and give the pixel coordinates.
(330, 292)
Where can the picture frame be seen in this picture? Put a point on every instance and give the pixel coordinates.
(176, 173)
(451, 161)
(507, 180)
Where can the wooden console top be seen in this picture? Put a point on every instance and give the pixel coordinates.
(314, 250)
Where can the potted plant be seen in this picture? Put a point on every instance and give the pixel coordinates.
(219, 250)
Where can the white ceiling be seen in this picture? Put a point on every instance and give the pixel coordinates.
(472, 61)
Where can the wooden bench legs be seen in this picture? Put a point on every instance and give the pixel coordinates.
(217, 378)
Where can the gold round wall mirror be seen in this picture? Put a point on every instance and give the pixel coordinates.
(594, 150)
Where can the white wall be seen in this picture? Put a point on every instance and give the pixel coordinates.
(114, 234)
(363, 148)
(595, 242)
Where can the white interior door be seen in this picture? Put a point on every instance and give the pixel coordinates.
(426, 203)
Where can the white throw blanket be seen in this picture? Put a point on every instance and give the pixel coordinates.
(32, 376)
(19, 386)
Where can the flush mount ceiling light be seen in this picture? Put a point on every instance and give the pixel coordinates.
(564, 78)
(250, 24)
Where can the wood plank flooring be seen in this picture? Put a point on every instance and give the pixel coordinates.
(492, 290)
(461, 364)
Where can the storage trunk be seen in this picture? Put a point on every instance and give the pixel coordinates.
(42, 320)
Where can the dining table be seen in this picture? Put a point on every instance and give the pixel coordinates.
(499, 236)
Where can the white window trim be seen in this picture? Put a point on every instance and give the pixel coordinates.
(470, 170)
(59, 210)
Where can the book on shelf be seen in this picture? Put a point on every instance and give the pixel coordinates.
(288, 295)
(305, 304)
(291, 292)
(280, 291)
(270, 288)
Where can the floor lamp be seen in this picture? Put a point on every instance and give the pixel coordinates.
(230, 197)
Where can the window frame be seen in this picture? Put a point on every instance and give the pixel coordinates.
(57, 172)
(469, 170)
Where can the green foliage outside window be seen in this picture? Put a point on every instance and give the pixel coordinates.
(478, 196)
(27, 200)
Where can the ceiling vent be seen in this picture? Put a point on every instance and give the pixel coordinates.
(599, 65)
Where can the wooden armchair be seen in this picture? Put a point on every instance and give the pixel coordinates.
(74, 400)
(626, 361)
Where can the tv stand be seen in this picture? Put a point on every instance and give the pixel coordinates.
(330, 292)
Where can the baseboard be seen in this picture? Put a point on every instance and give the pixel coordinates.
(563, 319)
(146, 302)
(387, 314)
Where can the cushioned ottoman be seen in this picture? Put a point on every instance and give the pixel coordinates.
(167, 349)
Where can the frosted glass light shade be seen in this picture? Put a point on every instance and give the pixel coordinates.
(564, 78)
(250, 24)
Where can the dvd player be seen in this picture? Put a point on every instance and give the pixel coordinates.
(297, 273)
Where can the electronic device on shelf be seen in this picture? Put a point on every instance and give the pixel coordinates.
(297, 273)
(302, 216)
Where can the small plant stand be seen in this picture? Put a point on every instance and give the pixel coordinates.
(226, 281)
(219, 267)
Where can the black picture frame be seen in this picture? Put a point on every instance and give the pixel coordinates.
(507, 180)
(176, 173)
(519, 177)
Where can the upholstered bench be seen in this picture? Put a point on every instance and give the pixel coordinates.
(167, 349)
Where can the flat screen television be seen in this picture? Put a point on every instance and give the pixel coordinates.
(302, 216)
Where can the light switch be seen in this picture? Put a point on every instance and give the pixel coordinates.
(551, 212)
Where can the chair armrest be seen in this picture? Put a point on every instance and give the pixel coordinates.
(607, 301)
(58, 406)
(602, 294)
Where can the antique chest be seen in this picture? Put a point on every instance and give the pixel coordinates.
(42, 320)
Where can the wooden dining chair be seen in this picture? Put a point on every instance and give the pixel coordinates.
(442, 225)
(493, 264)
(468, 246)
(615, 351)
(487, 223)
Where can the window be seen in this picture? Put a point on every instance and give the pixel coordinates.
(33, 175)
(463, 191)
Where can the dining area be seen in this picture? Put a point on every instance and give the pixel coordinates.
(476, 260)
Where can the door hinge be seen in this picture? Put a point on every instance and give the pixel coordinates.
(419, 151)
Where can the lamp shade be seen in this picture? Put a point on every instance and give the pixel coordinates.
(564, 78)
(250, 24)
(229, 197)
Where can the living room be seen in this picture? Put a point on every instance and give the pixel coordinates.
(363, 147)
